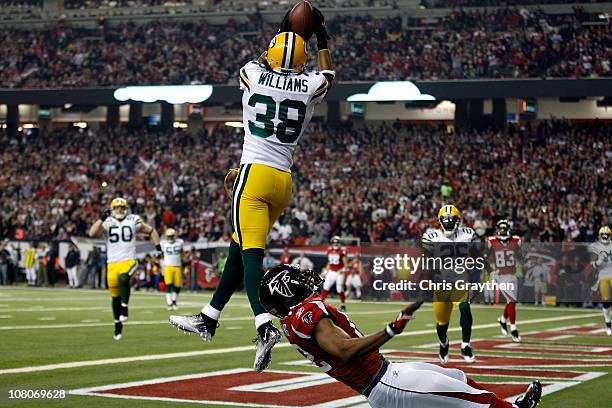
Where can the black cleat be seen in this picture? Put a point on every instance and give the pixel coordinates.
(342, 308)
(444, 352)
(467, 354)
(504, 327)
(531, 397)
(200, 324)
(118, 329)
(516, 337)
(267, 337)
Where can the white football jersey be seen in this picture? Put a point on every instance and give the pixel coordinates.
(276, 108)
(434, 239)
(172, 252)
(603, 258)
(121, 237)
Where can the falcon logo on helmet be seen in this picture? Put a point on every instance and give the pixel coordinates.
(285, 286)
(119, 208)
(604, 234)
(449, 218)
(287, 53)
(280, 284)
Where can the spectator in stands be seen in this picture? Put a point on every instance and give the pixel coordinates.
(303, 261)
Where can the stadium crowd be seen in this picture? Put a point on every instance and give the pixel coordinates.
(508, 43)
(378, 183)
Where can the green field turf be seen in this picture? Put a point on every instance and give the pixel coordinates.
(52, 326)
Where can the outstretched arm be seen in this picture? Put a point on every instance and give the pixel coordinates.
(96, 229)
(338, 343)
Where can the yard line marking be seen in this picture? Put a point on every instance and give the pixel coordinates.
(147, 322)
(151, 357)
(5, 316)
(48, 318)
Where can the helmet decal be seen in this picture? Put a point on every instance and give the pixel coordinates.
(280, 284)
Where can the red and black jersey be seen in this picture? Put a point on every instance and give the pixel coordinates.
(504, 255)
(355, 266)
(299, 327)
(335, 258)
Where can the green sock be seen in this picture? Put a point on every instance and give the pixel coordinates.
(231, 278)
(253, 272)
(441, 330)
(177, 290)
(169, 288)
(116, 303)
(466, 321)
(124, 287)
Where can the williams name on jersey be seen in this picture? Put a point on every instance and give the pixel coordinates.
(276, 108)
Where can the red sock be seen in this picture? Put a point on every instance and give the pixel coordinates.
(324, 294)
(474, 384)
(342, 297)
(494, 400)
(512, 312)
(506, 310)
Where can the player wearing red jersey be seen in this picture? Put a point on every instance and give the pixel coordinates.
(505, 260)
(326, 337)
(336, 270)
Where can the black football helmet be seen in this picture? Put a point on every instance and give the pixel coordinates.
(503, 230)
(285, 286)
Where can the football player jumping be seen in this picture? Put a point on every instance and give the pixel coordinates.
(172, 250)
(450, 241)
(601, 251)
(120, 229)
(279, 97)
(330, 340)
(337, 263)
(504, 252)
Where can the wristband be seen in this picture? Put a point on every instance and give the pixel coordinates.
(389, 331)
(158, 247)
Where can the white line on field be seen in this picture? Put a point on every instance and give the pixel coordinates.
(151, 357)
(148, 322)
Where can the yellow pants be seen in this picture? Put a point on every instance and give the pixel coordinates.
(172, 276)
(261, 194)
(114, 269)
(605, 289)
(443, 309)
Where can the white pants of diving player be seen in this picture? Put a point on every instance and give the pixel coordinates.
(333, 277)
(31, 275)
(422, 385)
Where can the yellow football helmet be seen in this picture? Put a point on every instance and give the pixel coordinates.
(170, 234)
(287, 53)
(604, 234)
(449, 218)
(119, 208)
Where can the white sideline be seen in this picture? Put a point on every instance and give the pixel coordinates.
(151, 357)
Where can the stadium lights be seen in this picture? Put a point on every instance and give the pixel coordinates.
(391, 91)
(234, 124)
(29, 125)
(175, 94)
(81, 125)
(180, 125)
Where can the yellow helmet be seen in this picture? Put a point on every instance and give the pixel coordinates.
(170, 233)
(119, 208)
(449, 218)
(604, 234)
(287, 53)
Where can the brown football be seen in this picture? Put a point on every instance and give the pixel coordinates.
(301, 19)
